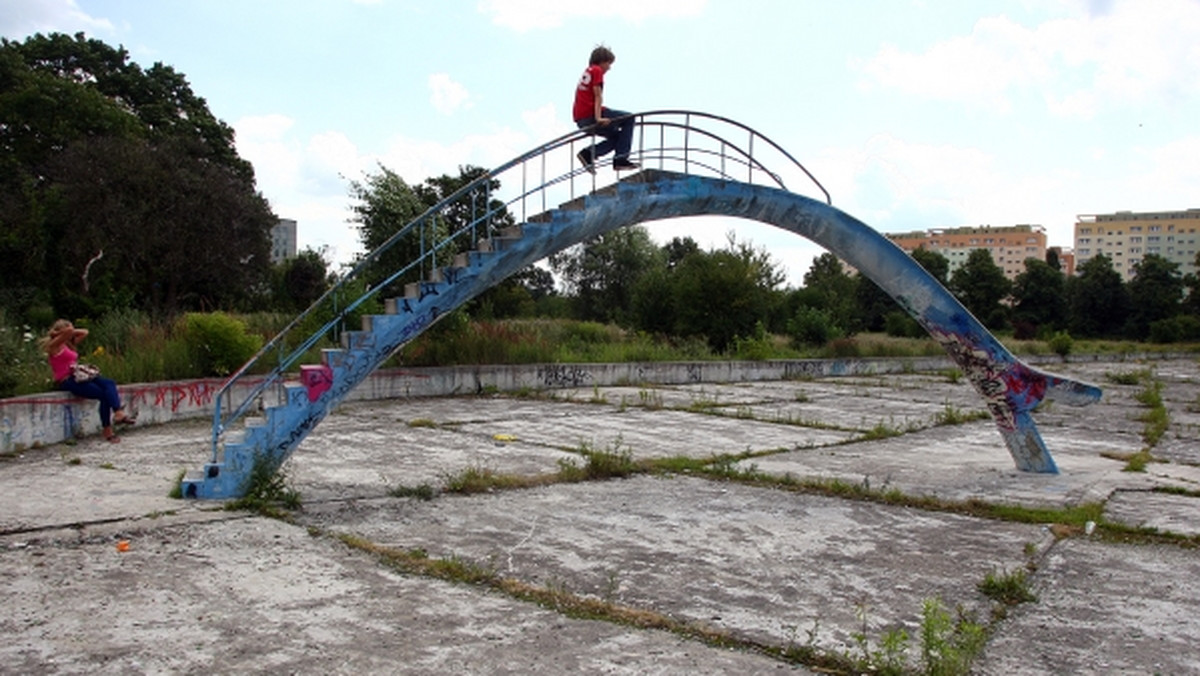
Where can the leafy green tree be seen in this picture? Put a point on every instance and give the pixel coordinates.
(1053, 258)
(981, 286)
(724, 294)
(1097, 299)
(517, 296)
(1155, 293)
(146, 225)
(384, 204)
(119, 187)
(100, 89)
(1040, 302)
(602, 273)
(1191, 282)
(678, 249)
(827, 287)
(301, 280)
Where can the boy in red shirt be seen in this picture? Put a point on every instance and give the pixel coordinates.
(589, 111)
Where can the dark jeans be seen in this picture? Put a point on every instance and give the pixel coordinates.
(617, 135)
(97, 388)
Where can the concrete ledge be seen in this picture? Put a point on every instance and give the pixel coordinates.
(50, 418)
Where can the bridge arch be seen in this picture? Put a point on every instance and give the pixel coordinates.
(689, 169)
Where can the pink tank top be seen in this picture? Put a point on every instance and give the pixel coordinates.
(61, 363)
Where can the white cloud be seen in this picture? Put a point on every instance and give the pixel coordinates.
(447, 95)
(21, 18)
(1133, 53)
(308, 178)
(526, 15)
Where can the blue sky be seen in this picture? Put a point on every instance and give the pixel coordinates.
(915, 114)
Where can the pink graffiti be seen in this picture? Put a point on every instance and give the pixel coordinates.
(317, 378)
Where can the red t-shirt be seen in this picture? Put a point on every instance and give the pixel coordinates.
(585, 94)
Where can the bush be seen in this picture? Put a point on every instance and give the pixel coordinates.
(759, 347)
(1061, 343)
(901, 325)
(812, 326)
(217, 344)
(21, 361)
(1175, 329)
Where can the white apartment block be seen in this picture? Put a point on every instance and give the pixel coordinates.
(1126, 236)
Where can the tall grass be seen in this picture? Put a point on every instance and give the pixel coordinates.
(130, 347)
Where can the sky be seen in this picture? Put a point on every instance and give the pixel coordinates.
(914, 114)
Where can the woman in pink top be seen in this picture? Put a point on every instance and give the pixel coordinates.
(59, 345)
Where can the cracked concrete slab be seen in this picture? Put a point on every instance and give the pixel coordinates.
(203, 589)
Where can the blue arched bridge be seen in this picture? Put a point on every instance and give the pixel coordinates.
(692, 164)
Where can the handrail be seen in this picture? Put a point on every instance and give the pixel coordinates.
(692, 156)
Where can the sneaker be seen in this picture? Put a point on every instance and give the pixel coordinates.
(585, 158)
(620, 165)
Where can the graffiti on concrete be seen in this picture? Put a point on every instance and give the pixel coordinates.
(316, 379)
(561, 375)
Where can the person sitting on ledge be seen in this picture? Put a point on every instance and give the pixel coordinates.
(59, 345)
(614, 126)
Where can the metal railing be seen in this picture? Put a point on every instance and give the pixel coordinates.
(679, 141)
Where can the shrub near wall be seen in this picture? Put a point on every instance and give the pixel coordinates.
(217, 344)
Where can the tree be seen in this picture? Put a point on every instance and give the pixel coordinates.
(118, 186)
(600, 274)
(1191, 281)
(386, 204)
(1155, 293)
(146, 225)
(1097, 300)
(516, 296)
(1040, 303)
(718, 295)
(981, 286)
(828, 288)
(104, 94)
(301, 280)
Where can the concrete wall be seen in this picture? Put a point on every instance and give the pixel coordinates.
(42, 419)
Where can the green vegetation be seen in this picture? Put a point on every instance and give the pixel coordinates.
(1008, 588)
(266, 491)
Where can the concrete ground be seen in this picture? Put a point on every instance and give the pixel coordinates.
(658, 573)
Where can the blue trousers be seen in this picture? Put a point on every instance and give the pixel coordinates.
(100, 388)
(617, 135)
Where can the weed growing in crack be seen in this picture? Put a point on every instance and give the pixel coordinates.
(266, 489)
(177, 488)
(479, 479)
(1007, 588)
(422, 422)
(952, 415)
(1127, 377)
(881, 430)
(650, 399)
(948, 644)
(1155, 421)
(597, 396)
(890, 658)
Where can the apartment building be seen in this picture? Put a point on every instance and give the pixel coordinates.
(1126, 236)
(283, 240)
(1009, 245)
